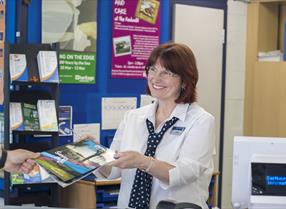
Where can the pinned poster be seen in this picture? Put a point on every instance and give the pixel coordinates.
(113, 110)
(74, 25)
(146, 100)
(135, 33)
(87, 129)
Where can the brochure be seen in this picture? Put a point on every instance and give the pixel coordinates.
(47, 115)
(48, 66)
(69, 163)
(16, 116)
(18, 67)
(65, 120)
(31, 118)
(37, 175)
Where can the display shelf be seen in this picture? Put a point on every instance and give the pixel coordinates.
(41, 133)
(31, 83)
(28, 92)
(264, 86)
(25, 186)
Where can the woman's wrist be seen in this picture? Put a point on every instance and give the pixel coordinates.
(151, 164)
(147, 163)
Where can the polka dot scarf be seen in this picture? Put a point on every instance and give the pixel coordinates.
(141, 189)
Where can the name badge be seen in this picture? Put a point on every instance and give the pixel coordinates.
(177, 130)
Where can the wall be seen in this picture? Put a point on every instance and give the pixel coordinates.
(235, 70)
(86, 99)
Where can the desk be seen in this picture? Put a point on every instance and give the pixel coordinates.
(82, 194)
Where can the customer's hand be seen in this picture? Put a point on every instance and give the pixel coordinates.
(20, 160)
(129, 159)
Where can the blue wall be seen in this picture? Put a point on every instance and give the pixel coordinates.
(86, 99)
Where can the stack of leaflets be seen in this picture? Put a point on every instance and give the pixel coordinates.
(31, 118)
(47, 115)
(72, 162)
(16, 116)
(18, 67)
(48, 66)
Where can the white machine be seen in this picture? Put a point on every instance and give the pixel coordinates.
(259, 173)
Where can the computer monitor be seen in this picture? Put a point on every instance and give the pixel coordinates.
(244, 151)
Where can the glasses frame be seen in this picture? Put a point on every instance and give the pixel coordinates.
(152, 71)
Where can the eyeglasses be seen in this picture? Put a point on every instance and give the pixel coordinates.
(164, 74)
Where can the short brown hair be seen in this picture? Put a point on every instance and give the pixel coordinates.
(180, 60)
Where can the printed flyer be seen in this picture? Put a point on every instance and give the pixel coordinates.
(74, 25)
(135, 33)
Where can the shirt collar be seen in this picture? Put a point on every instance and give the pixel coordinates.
(180, 111)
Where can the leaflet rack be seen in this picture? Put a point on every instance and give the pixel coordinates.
(29, 91)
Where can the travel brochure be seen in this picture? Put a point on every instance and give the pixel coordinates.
(68, 163)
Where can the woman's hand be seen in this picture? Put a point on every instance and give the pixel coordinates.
(130, 159)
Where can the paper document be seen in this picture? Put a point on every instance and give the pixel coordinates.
(270, 56)
(146, 100)
(113, 110)
(87, 129)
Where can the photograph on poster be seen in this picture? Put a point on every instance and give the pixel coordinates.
(147, 10)
(77, 28)
(122, 45)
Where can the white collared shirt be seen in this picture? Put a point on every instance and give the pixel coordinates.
(188, 145)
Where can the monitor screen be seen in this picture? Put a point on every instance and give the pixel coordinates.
(265, 178)
(268, 179)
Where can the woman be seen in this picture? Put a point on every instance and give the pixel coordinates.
(165, 149)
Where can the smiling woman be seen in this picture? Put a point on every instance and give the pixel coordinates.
(179, 60)
(165, 148)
